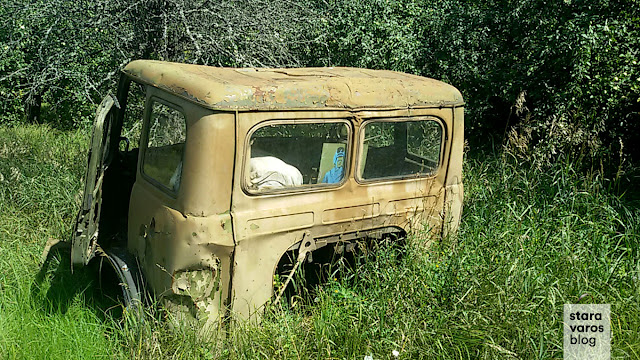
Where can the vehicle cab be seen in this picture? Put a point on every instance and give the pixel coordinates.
(231, 170)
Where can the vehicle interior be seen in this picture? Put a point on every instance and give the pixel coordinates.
(121, 165)
(304, 146)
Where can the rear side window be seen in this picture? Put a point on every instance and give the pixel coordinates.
(293, 155)
(165, 146)
(400, 149)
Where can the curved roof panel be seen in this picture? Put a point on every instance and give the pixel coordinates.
(304, 88)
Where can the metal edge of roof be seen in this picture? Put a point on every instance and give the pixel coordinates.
(186, 96)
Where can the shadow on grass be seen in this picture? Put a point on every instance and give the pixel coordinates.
(57, 286)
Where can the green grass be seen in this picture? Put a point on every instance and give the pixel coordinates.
(530, 241)
(40, 171)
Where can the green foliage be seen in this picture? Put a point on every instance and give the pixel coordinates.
(381, 34)
(564, 76)
(51, 60)
(59, 66)
(40, 171)
(566, 83)
(591, 101)
(577, 68)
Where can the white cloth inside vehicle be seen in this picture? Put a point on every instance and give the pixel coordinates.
(269, 172)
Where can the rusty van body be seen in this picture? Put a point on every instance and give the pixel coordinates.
(231, 169)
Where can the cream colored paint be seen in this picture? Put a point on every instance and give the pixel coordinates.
(214, 228)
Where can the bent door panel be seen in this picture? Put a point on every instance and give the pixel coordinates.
(86, 228)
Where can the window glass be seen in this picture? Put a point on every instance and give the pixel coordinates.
(399, 149)
(165, 145)
(289, 155)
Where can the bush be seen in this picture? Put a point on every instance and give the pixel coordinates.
(560, 78)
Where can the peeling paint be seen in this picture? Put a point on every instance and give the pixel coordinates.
(226, 225)
(197, 284)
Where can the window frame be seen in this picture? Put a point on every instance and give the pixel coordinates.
(147, 122)
(305, 187)
(361, 141)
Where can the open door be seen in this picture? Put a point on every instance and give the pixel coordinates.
(85, 234)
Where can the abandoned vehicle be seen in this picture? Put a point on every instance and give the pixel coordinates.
(231, 170)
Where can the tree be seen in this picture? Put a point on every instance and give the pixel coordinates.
(62, 56)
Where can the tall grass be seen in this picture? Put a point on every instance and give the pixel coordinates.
(40, 171)
(530, 241)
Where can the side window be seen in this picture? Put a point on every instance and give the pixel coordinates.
(165, 145)
(289, 155)
(399, 149)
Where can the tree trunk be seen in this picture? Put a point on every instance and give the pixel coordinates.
(33, 109)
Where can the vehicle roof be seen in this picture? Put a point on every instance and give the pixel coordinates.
(247, 89)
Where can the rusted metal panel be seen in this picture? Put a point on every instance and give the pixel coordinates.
(290, 89)
(350, 213)
(278, 223)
